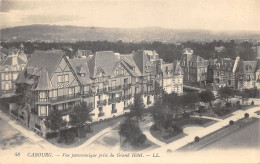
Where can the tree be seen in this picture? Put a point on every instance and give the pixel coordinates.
(190, 100)
(137, 108)
(54, 121)
(80, 115)
(130, 130)
(226, 92)
(207, 96)
(160, 113)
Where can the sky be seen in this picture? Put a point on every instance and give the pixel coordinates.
(214, 15)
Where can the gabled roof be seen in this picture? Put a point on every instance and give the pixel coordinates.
(177, 67)
(143, 62)
(80, 66)
(13, 60)
(128, 62)
(247, 66)
(46, 59)
(105, 60)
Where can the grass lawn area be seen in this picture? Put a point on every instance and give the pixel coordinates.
(168, 136)
(96, 128)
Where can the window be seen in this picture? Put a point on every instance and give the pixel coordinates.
(86, 88)
(148, 100)
(2, 76)
(126, 81)
(7, 76)
(15, 75)
(60, 79)
(66, 78)
(113, 106)
(71, 91)
(54, 93)
(42, 94)
(113, 83)
(117, 72)
(137, 80)
(7, 86)
(43, 110)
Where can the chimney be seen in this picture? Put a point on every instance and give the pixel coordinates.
(236, 64)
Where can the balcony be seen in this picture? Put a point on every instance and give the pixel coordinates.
(88, 94)
(101, 114)
(115, 88)
(127, 97)
(126, 86)
(102, 102)
(114, 100)
(65, 98)
(101, 91)
(114, 111)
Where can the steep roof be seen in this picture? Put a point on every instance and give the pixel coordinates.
(142, 58)
(105, 60)
(80, 65)
(44, 81)
(13, 60)
(247, 66)
(177, 67)
(46, 59)
(128, 62)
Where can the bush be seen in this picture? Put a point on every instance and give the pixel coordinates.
(202, 109)
(196, 139)
(228, 105)
(51, 135)
(142, 139)
(61, 139)
(231, 122)
(70, 137)
(246, 115)
(186, 115)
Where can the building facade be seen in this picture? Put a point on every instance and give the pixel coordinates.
(9, 71)
(106, 81)
(194, 67)
(172, 77)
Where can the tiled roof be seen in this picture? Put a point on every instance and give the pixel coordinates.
(44, 81)
(128, 62)
(145, 65)
(105, 60)
(46, 59)
(13, 60)
(80, 65)
(247, 66)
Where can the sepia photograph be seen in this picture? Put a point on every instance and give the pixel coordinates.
(129, 81)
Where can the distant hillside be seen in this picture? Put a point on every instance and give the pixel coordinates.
(149, 34)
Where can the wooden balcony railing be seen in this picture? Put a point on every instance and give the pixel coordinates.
(64, 98)
(126, 86)
(127, 97)
(114, 100)
(115, 88)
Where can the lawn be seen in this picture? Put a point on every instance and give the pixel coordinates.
(168, 136)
